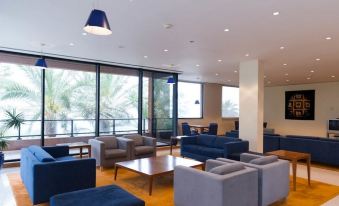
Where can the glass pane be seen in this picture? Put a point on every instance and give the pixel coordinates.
(189, 100)
(20, 98)
(69, 101)
(146, 104)
(230, 101)
(162, 124)
(118, 101)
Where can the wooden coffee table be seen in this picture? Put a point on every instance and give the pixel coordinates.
(155, 166)
(294, 157)
(79, 145)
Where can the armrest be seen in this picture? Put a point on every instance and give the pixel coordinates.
(188, 140)
(235, 147)
(57, 151)
(98, 150)
(150, 141)
(124, 143)
(246, 157)
(210, 163)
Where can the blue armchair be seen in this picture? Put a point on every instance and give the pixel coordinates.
(212, 129)
(48, 171)
(203, 147)
(186, 130)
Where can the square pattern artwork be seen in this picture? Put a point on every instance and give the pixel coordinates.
(299, 105)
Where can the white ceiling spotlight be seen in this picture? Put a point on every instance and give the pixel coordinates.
(84, 33)
(219, 60)
(198, 65)
(276, 13)
(167, 26)
(247, 55)
(71, 44)
(282, 48)
(312, 71)
(287, 80)
(328, 38)
(235, 71)
(145, 57)
(286, 74)
(285, 64)
(216, 74)
(308, 78)
(332, 76)
(165, 50)
(226, 30)
(317, 59)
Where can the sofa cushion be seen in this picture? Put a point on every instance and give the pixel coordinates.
(137, 138)
(141, 150)
(264, 160)
(193, 148)
(115, 153)
(206, 140)
(227, 168)
(40, 154)
(109, 141)
(65, 158)
(211, 152)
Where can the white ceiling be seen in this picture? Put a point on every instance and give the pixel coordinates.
(137, 26)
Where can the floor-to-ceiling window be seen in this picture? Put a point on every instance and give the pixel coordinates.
(189, 100)
(230, 102)
(118, 101)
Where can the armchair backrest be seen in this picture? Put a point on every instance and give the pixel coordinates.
(213, 129)
(186, 129)
(110, 142)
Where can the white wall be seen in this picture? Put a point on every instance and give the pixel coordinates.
(326, 107)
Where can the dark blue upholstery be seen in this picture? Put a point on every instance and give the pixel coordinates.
(45, 179)
(232, 134)
(41, 154)
(212, 129)
(203, 147)
(322, 150)
(186, 129)
(111, 195)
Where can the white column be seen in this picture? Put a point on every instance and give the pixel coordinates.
(251, 104)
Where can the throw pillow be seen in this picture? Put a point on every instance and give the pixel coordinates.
(41, 154)
(227, 168)
(264, 160)
(109, 141)
(138, 139)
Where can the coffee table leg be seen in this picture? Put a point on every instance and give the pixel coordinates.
(80, 152)
(150, 185)
(309, 170)
(171, 146)
(116, 172)
(89, 151)
(294, 167)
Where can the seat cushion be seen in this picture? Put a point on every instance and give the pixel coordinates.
(206, 140)
(227, 168)
(264, 160)
(109, 141)
(111, 195)
(191, 148)
(115, 153)
(138, 139)
(220, 141)
(140, 150)
(41, 154)
(211, 152)
(65, 158)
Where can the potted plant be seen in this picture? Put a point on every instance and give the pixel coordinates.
(14, 120)
(3, 146)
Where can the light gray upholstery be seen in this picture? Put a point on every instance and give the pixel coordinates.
(109, 149)
(273, 178)
(147, 149)
(226, 169)
(201, 188)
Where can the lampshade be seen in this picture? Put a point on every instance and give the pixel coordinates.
(197, 102)
(41, 62)
(170, 80)
(97, 23)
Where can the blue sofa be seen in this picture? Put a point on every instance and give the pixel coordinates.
(48, 171)
(322, 150)
(204, 147)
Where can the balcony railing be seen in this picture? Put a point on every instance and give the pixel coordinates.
(82, 127)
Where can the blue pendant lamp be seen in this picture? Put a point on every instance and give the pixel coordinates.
(170, 80)
(97, 23)
(41, 62)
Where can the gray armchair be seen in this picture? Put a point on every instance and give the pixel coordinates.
(142, 146)
(109, 149)
(202, 188)
(273, 177)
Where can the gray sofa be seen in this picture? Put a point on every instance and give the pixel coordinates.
(203, 188)
(273, 176)
(107, 150)
(142, 146)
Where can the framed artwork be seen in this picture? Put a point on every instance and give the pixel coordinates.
(299, 105)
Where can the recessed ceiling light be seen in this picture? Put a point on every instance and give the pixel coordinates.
(269, 82)
(235, 71)
(165, 50)
(198, 65)
(282, 48)
(219, 60)
(328, 38)
(71, 44)
(226, 30)
(312, 71)
(287, 80)
(276, 13)
(317, 59)
(308, 78)
(285, 64)
(229, 80)
(145, 57)
(167, 26)
(84, 33)
(264, 76)
(247, 55)
(216, 74)
(332, 76)
(286, 74)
